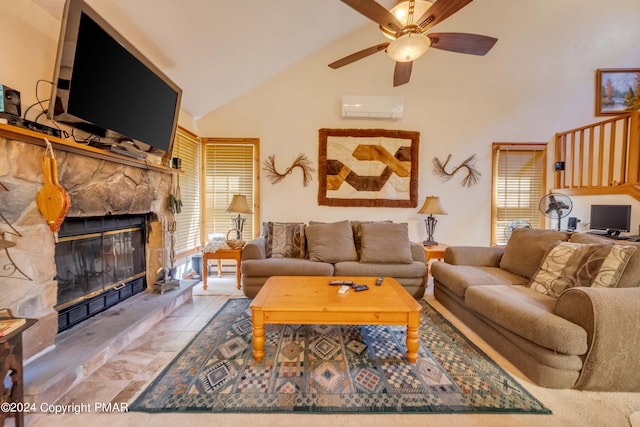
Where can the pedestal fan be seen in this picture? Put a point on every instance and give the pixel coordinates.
(516, 223)
(556, 206)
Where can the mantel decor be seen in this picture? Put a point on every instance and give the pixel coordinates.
(368, 167)
(617, 90)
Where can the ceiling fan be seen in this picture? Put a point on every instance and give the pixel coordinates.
(408, 35)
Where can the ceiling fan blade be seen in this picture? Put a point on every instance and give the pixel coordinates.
(473, 44)
(376, 12)
(402, 73)
(440, 11)
(358, 55)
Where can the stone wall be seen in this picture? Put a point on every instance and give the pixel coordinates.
(97, 187)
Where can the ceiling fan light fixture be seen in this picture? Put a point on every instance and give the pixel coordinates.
(401, 10)
(408, 47)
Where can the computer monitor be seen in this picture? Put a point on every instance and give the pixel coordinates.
(612, 219)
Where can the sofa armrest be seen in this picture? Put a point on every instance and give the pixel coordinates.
(612, 321)
(417, 252)
(255, 249)
(480, 256)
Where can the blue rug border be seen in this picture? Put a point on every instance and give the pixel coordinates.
(332, 410)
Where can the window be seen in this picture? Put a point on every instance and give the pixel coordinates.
(517, 187)
(187, 235)
(229, 168)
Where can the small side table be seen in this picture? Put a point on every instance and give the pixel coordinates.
(434, 252)
(219, 255)
(11, 365)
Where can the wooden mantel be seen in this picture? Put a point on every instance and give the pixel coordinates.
(25, 135)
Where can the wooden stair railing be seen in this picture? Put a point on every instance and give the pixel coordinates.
(601, 158)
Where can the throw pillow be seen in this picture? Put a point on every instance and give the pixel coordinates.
(613, 266)
(568, 265)
(332, 242)
(385, 243)
(285, 240)
(526, 248)
(357, 232)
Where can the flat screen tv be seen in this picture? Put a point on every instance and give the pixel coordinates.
(103, 85)
(611, 219)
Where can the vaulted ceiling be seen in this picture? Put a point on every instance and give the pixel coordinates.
(217, 50)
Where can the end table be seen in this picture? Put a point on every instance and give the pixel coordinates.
(11, 365)
(434, 252)
(219, 255)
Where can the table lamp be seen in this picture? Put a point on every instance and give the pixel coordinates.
(239, 205)
(432, 207)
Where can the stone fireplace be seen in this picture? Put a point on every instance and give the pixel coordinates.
(100, 186)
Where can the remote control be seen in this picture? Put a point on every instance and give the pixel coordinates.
(340, 282)
(379, 281)
(359, 288)
(344, 289)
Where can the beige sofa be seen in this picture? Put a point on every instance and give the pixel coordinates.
(343, 248)
(563, 308)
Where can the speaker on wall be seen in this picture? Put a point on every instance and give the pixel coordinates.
(9, 101)
(559, 166)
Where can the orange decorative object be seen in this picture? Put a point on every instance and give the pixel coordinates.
(53, 201)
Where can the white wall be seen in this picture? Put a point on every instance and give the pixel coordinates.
(538, 79)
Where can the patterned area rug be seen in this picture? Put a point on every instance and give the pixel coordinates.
(332, 369)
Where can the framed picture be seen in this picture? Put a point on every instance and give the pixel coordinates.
(368, 167)
(617, 90)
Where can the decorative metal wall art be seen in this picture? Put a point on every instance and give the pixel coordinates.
(302, 162)
(10, 269)
(473, 174)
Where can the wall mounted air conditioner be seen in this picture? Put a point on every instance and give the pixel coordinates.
(372, 107)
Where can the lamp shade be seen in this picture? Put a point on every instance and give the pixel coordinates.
(432, 206)
(239, 205)
(408, 47)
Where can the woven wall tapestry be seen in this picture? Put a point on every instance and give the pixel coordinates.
(368, 167)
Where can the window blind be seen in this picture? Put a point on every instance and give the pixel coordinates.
(228, 170)
(518, 186)
(187, 235)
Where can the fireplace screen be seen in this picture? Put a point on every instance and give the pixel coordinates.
(89, 264)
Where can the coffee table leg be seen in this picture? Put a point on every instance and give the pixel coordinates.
(258, 335)
(412, 337)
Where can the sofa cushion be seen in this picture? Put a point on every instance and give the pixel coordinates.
(459, 278)
(528, 314)
(631, 276)
(613, 266)
(285, 267)
(416, 269)
(331, 242)
(385, 243)
(285, 240)
(568, 265)
(526, 248)
(357, 231)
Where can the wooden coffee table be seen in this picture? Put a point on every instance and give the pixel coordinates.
(311, 300)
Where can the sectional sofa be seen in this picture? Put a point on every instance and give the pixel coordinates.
(564, 308)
